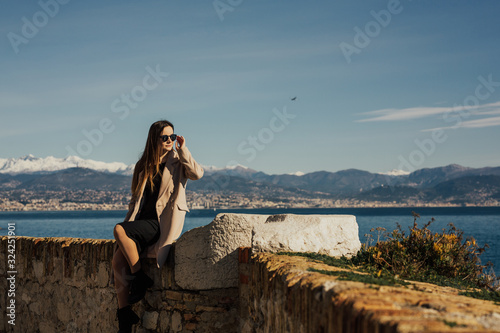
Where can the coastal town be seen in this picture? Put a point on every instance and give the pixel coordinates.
(112, 200)
(50, 184)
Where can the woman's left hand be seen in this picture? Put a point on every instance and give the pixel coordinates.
(180, 142)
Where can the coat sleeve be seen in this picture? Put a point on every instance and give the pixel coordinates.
(192, 169)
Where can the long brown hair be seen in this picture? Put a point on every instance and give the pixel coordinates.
(150, 159)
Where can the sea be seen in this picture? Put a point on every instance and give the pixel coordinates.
(482, 223)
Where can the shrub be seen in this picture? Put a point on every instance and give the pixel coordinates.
(443, 258)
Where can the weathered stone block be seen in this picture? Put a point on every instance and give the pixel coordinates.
(333, 235)
(38, 269)
(102, 277)
(175, 295)
(190, 326)
(207, 257)
(150, 320)
(63, 312)
(164, 321)
(176, 322)
(154, 299)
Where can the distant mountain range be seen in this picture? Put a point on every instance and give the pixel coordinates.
(32, 164)
(353, 181)
(452, 183)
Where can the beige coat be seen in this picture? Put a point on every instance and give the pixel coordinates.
(171, 205)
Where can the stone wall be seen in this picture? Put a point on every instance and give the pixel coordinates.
(281, 295)
(64, 285)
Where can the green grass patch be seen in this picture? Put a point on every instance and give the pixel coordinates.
(382, 280)
(453, 324)
(337, 262)
(487, 295)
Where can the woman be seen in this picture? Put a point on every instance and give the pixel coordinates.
(155, 217)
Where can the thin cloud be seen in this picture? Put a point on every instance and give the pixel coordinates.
(422, 112)
(476, 123)
(402, 114)
(493, 112)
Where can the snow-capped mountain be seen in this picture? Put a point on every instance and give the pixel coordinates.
(452, 183)
(395, 172)
(212, 168)
(32, 164)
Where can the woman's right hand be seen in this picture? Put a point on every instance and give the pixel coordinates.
(180, 142)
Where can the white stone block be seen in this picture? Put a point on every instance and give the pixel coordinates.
(333, 235)
(207, 257)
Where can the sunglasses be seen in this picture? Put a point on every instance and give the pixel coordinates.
(165, 138)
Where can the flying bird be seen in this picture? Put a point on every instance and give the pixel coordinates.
(294, 98)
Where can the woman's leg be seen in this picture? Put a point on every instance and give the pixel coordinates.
(126, 317)
(128, 248)
(121, 271)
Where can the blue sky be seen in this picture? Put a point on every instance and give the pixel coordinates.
(380, 85)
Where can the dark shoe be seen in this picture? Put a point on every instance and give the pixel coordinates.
(126, 318)
(138, 286)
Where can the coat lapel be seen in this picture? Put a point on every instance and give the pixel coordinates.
(167, 184)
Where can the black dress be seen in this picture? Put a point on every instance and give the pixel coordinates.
(145, 229)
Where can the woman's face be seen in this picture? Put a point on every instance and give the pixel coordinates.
(169, 144)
